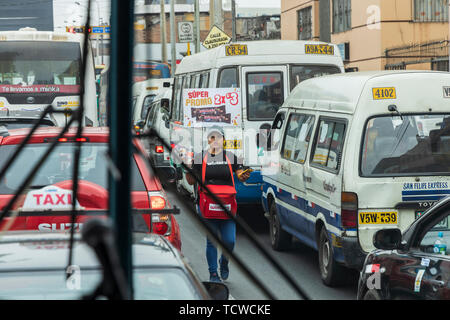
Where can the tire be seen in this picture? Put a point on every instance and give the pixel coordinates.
(279, 239)
(331, 272)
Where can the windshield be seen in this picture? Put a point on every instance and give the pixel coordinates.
(26, 63)
(58, 166)
(300, 73)
(150, 284)
(414, 145)
(264, 95)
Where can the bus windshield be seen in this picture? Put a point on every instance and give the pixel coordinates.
(27, 63)
(411, 145)
(300, 73)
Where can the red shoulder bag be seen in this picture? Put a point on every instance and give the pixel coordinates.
(226, 194)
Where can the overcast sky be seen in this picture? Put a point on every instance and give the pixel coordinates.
(74, 14)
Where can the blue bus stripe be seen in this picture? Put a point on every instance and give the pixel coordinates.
(425, 192)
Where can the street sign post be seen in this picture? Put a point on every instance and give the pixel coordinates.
(185, 31)
(216, 37)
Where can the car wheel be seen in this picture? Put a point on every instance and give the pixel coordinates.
(331, 272)
(280, 239)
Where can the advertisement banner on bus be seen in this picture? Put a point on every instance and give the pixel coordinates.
(212, 107)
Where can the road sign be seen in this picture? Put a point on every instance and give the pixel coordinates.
(185, 31)
(215, 38)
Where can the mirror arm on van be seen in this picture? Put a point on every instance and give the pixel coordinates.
(393, 108)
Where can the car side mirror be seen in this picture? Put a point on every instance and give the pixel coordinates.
(168, 173)
(387, 239)
(217, 290)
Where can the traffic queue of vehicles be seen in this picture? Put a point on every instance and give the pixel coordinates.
(348, 155)
(345, 163)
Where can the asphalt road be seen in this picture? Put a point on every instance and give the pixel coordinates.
(300, 262)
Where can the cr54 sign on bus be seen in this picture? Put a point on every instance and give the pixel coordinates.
(209, 107)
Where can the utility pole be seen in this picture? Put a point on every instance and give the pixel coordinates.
(211, 13)
(218, 13)
(162, 27)
(233, 20)
(197, 25)
(172, 36)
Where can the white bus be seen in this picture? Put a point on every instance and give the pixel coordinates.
(39, 68)
(265, 72)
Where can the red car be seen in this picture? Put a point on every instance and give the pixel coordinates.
(51, 188)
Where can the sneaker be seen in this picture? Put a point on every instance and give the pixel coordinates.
(213, 277)
(224, 271)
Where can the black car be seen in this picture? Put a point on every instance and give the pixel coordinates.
(17, 119)
(33, 267)
(412, 265)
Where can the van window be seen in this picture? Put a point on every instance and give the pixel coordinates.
(228, 78)
(297, 137)
(414, 145)
(329, 143)
(274, 136)
(146, 105)
(264, 95)
(300, 73)
(204, 80)
(177, 98)
(197, 81)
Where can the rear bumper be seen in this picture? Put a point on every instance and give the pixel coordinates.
(352, 253)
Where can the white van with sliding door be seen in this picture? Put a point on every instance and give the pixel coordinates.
(358, 152)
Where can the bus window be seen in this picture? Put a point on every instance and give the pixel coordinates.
(40, 62)
(228, 78)
(264, 95)
(204, 80)
(300, 73)
(196, 80)
(177, 97)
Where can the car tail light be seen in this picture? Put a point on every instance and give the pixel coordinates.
(159, 149)
(161, 223)
(157, 202)
(349, 209)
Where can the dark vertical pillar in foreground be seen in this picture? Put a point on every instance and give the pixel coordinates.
(120, 74)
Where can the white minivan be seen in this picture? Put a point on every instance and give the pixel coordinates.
(357, 152)
(143, 93)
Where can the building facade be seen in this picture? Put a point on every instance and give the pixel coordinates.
(374, 34)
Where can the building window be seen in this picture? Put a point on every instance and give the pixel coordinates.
(440, 64)
(342, 10)
(430, 10)
(304, 23)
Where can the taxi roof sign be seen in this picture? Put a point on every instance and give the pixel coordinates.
(215, 38)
